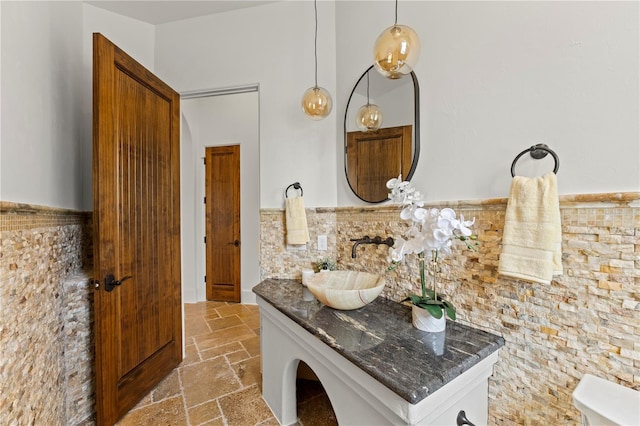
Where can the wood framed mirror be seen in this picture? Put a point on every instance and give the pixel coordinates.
(374, 157)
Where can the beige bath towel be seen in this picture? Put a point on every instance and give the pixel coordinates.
(296, 221)
(532, 239)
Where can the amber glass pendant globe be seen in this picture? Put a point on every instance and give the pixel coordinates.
(369, 118)
(396, 51)
(316, 103)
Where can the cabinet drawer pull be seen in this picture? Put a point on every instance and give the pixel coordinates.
(462, 419)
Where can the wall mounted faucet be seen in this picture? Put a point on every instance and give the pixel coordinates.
(368, 240)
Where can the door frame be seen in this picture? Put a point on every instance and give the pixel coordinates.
(193, 191)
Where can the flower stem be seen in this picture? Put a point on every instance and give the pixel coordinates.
(422, 280)
(434, 261)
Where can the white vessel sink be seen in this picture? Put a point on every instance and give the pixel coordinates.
(345, 290)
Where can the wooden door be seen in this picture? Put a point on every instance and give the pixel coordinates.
(375, 157)
(222, 182)
(138, 322)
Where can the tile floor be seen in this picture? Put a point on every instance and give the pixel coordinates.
(219, 382)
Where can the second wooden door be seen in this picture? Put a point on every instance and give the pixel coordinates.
(222, 180)
(375, 157)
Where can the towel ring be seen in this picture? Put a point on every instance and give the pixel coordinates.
(537, 151)
(295, 185)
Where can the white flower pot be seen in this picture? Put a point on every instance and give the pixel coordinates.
(422, 320)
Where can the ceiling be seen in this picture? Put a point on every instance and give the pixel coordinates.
(162, 11)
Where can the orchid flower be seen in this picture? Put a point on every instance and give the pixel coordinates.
(431, 229)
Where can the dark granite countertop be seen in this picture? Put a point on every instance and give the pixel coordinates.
(380, 340)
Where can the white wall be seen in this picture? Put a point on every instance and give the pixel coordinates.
(41, 139)
(498, 77)
(217, 121)
(45, 141)
(495, 77)
(271, 45)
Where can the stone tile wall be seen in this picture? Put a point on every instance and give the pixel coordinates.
(585, 321)
(77, 318)
(279, 261)
(45, 367)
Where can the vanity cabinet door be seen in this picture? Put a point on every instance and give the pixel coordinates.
(474, 403)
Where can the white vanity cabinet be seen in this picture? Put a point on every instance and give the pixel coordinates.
(375, 367)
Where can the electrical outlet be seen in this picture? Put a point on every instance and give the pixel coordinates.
(322, 242)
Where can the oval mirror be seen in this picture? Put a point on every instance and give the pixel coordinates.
(372, 157)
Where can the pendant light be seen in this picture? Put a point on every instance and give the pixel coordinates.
(396, 50)
(316, 101)
(369, 116)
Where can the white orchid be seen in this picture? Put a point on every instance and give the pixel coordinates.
(432, 231)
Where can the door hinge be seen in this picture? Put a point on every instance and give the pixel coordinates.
(204, 160)
(205, 200)
(205, 240)
(205, 278)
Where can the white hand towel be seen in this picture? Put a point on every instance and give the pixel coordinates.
(296, 221)
(532, 238)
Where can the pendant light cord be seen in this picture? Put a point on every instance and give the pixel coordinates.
(315, 48)
(368, 103)
(396, 21)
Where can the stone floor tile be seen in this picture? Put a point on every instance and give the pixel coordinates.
(314, 407)
(196, 326)
(191, 355)
(167, 412)
(232, 309)
(251, 321)
(216, 422)
(221, 350)
(224, 336)
(207, 380)
(248, 371)
(271, 422)
(219, 380)
(225, 322)
(194, 309)
(201, 414)
(252, 345)
(253, 308)
(316, 412)
(245, 407)
(237, 356)
(211, 315)
(168, 387)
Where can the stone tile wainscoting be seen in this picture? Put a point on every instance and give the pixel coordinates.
(585, 321)
(45, 326)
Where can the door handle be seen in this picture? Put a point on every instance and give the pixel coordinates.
(110, 282)
(235, 243)
(462, 419)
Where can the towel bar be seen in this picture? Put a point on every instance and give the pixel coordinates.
(295, 185)
(537, 151)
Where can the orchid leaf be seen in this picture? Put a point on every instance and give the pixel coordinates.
(435, 311)
(414, 299)
(451, 312)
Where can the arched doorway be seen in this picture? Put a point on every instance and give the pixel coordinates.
(312, 401)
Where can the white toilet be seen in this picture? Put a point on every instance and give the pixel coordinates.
(602, 402)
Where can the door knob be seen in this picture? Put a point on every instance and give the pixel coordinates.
(110, 281)
(235, 243)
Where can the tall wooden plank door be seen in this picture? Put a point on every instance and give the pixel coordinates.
(138, 306)
(222, 189)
